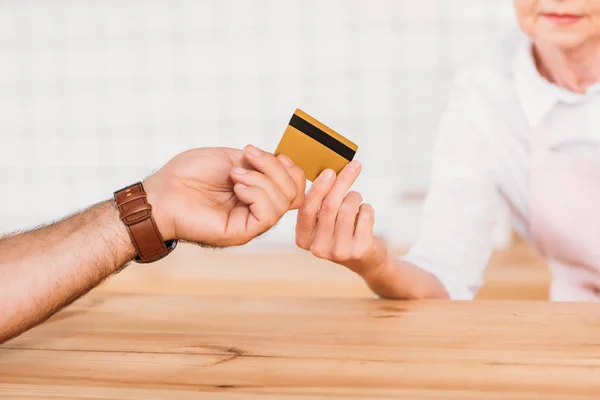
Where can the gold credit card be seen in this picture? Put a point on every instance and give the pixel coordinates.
(315, 147)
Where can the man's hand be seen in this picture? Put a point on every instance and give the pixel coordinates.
(223, 197)
(334, 225)
(216, 197)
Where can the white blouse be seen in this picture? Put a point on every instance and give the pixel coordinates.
(482, 157)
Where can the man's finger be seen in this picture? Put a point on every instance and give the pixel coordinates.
(262, 214)
(258, 179)
(273, 169)
(299, 178)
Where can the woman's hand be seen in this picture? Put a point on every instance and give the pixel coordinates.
(334, 225)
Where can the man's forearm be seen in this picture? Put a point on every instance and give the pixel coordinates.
(397, 279)
(43, 270)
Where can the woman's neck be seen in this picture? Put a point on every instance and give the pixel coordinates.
(575, 70)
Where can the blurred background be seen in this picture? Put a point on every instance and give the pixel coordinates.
(95, 95)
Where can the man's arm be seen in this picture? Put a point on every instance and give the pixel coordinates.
(213, 196)
(43, 270)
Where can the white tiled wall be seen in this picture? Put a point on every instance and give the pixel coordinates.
(96, 94)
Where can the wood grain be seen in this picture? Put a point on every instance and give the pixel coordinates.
(515, 274)
(284, 325)
(116, 345)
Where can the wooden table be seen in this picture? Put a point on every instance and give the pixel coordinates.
(514, 274)
(152, 346)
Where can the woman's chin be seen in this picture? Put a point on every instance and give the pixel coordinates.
(564, 39)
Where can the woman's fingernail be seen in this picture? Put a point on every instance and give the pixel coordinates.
(328, 174)
(240, 170)
(255, 151)
(354, 166)
(240, 186)
(285, 160)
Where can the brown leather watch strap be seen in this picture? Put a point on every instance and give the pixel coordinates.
(136, 214)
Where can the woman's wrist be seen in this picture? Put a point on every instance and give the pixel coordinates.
(379, 264)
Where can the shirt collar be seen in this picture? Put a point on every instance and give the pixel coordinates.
(537, 95)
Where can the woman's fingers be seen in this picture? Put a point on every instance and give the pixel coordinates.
(331, 204)
(344, 227)
(363, 234)
(307, 214)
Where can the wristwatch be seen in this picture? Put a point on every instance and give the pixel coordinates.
(136, 214)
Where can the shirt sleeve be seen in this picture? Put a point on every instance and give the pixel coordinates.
(462, 205)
